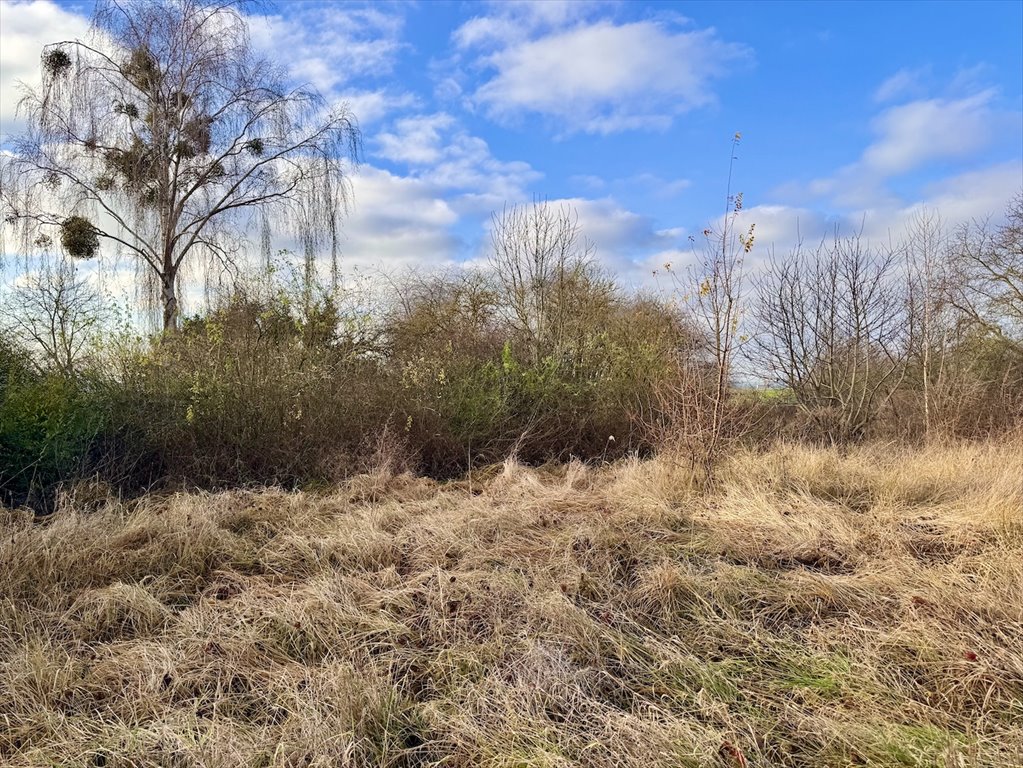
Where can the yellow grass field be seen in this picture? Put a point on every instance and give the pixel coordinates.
(814, 608)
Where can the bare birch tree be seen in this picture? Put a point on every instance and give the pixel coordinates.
(164, 137)
(930, 327)
(988, 286)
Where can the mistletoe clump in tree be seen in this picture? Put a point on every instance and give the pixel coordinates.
(165, 138)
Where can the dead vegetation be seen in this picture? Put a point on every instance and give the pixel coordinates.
(817, 608)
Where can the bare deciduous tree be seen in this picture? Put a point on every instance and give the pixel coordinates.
(988, 288)
(833, 330)
(164, 135)
(541, 264)
(931, 327)
(57, 314)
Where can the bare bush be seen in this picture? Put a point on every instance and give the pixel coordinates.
(833, 331)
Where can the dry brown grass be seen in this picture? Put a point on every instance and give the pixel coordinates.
(818, 609)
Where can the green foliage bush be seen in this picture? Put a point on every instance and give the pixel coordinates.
(49, 426)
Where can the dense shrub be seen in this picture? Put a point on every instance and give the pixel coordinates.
(277, 387)
(49, 426)
(975, 390)
(474, 387)
(256, 392)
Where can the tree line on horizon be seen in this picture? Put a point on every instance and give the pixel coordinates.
(537, 354)
(162, 137)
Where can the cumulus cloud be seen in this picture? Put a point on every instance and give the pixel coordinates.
(398, 221)
(438, 151)
(329, 45)
(25, 28)
(616, 231)
(467, 164)
(595, 76)
(395, 222)
(415, 140)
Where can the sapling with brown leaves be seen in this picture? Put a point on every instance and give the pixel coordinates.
(699, 409)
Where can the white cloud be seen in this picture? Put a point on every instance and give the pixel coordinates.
(628, 245)
(441, 153)
(338, 49)
(448, 89)
(624, 242)
(25, 27)
(911, 134)
(597, 77)
(396, 222)
(615, 230)
(329, 45)
(975, 194)
(781, 227)
(415, 140)
(515, 20)
(902, 83)
(468, 164)
(401, 222)
(372, 106)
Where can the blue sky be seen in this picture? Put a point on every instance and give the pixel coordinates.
(852, 114)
